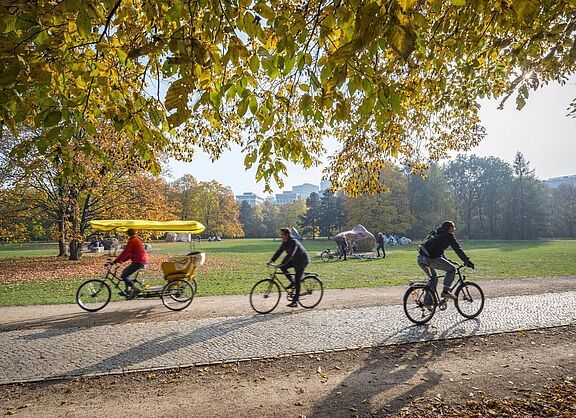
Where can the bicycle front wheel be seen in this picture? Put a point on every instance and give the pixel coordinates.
(325, 256)
(469, 300)
(93, 295)
(265, 296)
(415, 308)
(177, 294)
(311, 292)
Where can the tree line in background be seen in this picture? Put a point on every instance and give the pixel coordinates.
(487, 197)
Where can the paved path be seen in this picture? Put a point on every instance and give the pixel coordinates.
(39, 353)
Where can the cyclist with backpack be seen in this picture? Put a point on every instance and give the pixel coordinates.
(296, 258)
(431, 257)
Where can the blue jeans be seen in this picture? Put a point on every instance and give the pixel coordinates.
(430, 265)
(130, 270)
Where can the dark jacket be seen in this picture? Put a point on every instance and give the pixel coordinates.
(435, 246)
(295, 253)
(380, 239)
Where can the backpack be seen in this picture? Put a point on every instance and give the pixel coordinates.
(425, 244)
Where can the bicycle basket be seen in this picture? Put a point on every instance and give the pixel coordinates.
(182, 267)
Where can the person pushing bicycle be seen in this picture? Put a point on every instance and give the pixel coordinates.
(136, 253)
(296, 258)
(431, 257)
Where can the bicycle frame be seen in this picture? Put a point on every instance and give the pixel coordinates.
(112, 276)
(459, 280)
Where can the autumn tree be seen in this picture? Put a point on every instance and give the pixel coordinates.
(386, 211)
(390, 80)
(251, 219)
(291, 213)
(209, 203)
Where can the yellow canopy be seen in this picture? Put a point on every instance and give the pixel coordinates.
(122, 225)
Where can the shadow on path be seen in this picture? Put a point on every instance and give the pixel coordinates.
(167, 343)
(388, 383)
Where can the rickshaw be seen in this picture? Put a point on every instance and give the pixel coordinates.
(179, 272)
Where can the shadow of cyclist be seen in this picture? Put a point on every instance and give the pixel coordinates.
(393, 375)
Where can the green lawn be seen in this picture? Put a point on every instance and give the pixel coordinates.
(237, 264)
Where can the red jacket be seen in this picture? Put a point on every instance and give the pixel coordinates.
(134, 252)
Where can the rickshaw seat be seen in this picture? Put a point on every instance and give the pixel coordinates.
(182, 267)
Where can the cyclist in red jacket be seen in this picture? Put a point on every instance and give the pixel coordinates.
(136, 253)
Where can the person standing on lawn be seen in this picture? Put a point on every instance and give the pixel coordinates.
(380, 242)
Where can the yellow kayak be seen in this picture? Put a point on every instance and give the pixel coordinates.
(122, 225)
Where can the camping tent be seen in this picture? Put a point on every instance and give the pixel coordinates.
(359, 235)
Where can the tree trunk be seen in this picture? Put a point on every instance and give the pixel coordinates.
(75, 249)
(62, 244)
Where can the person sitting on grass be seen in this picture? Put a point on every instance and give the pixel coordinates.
(296, 258)
(136, 253)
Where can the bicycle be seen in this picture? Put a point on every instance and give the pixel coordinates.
(95, 294)
(265, 294)
(329, 255)
(469, 300)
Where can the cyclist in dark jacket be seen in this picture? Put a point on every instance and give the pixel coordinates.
(296, 258)
(431, 257)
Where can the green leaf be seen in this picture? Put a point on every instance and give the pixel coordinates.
(9, 23)
(520, 102)
(250, 159)
(52, 118)
(122, 56)
(265, 11)
(254, 64)
(242, 107)
(526, 11)
(402, 40)
(458, 2)
(175, 13)
(91, 129)
(253, 105)
(84, 24)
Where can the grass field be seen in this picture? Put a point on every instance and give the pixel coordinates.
(234, 266)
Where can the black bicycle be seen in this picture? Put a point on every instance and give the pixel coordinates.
(469, 300)
(265, 295)
(329, 255)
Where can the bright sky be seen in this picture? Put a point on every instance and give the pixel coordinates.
(541, 131)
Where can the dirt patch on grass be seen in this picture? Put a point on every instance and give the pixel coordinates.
(46, 268)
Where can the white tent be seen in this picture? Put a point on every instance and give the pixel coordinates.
(359, 235)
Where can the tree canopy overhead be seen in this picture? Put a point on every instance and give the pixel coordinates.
(389, 79)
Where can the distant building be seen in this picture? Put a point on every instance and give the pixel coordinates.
(305, 190)
(251, 198)
(287, 197)
(557, 181)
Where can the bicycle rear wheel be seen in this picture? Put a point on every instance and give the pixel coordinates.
(265, 296)
(414, 307)
(93, 295)
(326, 256)
(177, 294)
(469, 300)
(311, 292)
